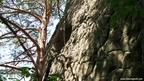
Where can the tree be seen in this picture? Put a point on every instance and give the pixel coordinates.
(103, 41)
(27, 23)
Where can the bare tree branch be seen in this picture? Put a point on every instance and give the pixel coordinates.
(10, 66)
(22, 30)
(25, 52)
(17, 61)
(5, 22)
(25, 12)
(8, 37)
(28, 28)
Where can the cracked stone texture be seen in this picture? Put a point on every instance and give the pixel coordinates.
(93, 51)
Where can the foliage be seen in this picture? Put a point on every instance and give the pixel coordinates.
(54, 77)
(1, 1)
(25, 72)
(123, 8)
(14, 79)
(2, 78)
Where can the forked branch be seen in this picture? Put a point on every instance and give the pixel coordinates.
(21, 43)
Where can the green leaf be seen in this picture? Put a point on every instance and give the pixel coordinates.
(57, 75)
(117, 9)
(17, 79)
(114, 25)
(134, 14)
(134, 2)
(14, 79)
(117, 1)
(122, 15)
(108, 1)
(114, 17)
(131, 2)
(142, 12)
(2, 78)
(25, 71)
(1, 1)
(129, 8)
(54, 77)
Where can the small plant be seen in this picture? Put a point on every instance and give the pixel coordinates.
(2, 78)
(54, 77)
(122, 9)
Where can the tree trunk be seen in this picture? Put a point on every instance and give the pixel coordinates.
(88, 50)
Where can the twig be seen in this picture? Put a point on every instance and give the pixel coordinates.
(10, 66)
(21, 43)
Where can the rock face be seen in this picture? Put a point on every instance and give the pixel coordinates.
(88, 50)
